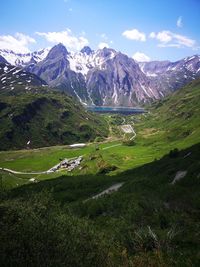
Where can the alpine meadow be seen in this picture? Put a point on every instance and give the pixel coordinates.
(100, 133)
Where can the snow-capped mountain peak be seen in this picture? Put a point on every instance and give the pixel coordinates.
(105, 76)
(80, 62)
(18, 59)
(86, 59)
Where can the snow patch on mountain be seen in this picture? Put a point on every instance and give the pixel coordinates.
(151, 74)
(22, 60)
(145, 91)
(82, 62)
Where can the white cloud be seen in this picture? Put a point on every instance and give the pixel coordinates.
(65, 37)
(164, 36)
(134, 34)
(141, 57)
(18, 43)
(185, 41)
(179, 22)
(102, 45)
(170, 39)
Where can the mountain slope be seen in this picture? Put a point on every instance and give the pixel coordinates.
(119, 82)
(152, 220)
(14, 79)
(169, 76)
(102, 77)
(175, 119)
(107, 77)
(30, 111)
(45, 118)
(55, 70)
(3, 60)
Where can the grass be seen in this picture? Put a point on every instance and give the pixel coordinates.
(147, 200)
(173, 121)
(38, 159)
(123, 157)
(46, 118)
(157, 134)
(156, 223)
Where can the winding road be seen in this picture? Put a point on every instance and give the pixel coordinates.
(17, 172)
(51, 170)
(128, 129)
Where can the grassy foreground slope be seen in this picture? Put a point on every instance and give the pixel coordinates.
(45, 118)
(149, 222)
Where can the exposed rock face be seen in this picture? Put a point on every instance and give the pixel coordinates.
(168, 76)
(3, 60)
(55, 70)
(104, 77)
(108, 77)
(154, 68)
(120, 82)
(87, 50)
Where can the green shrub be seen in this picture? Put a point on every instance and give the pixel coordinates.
(99, 139)
(38, 232)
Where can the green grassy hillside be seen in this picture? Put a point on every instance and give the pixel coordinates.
(45, 118)
(152, 220)
(158, 132)
(173, 121)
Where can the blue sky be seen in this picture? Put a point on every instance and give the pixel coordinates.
(145, 29)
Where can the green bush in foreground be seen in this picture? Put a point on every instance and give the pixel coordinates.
(38, 232)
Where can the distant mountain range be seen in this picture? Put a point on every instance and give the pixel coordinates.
(105, 76)
(22, 60)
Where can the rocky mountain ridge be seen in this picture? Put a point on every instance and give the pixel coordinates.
(21, 60)
(107, 77)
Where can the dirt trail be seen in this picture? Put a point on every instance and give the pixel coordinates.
(111, 146)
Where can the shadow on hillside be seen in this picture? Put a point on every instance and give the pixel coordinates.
(147, 177)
